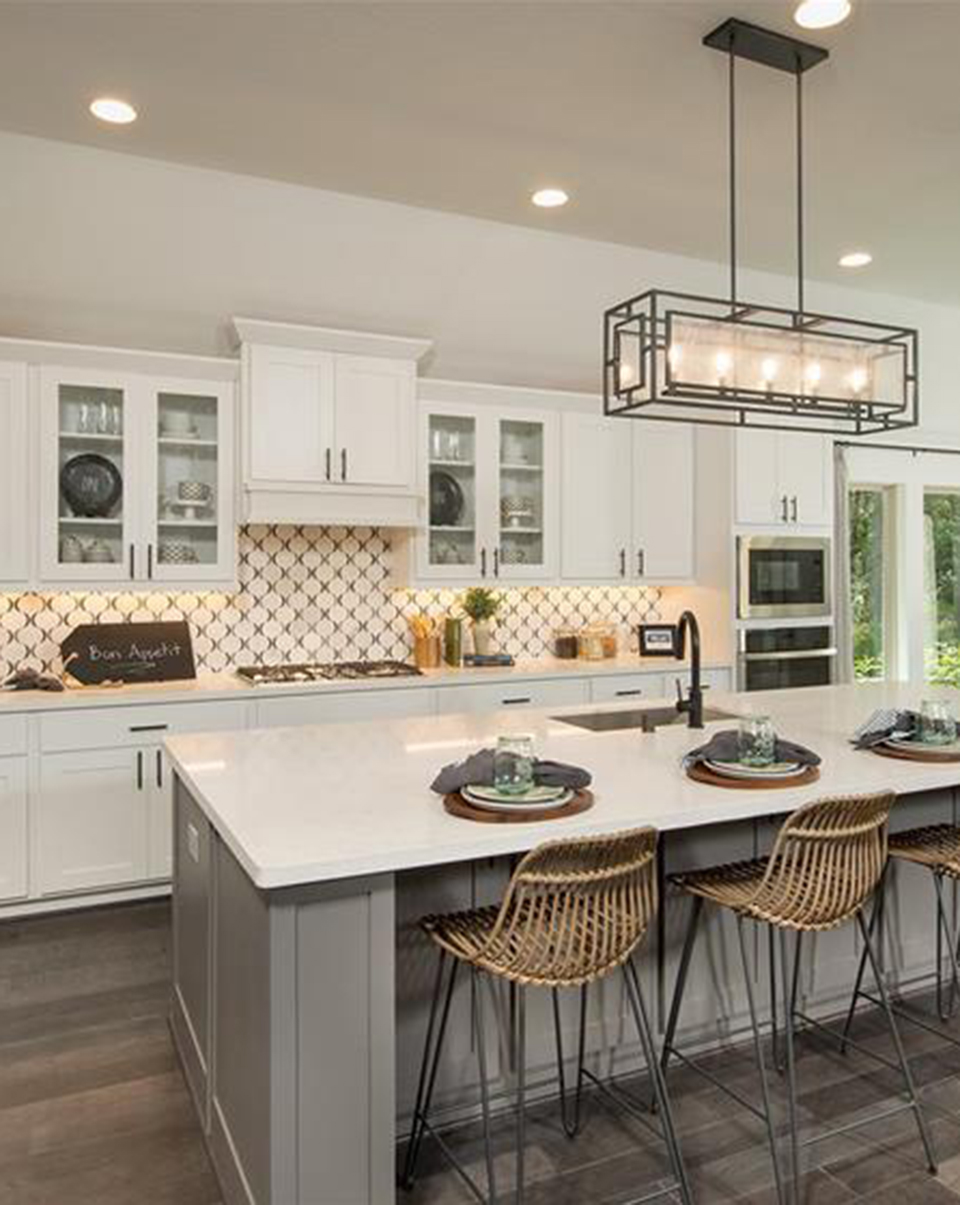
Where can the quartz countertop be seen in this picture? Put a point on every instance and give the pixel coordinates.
(228, 685)
(317, 803)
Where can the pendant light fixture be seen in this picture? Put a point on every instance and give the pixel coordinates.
(726, 361)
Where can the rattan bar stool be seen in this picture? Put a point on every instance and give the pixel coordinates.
(827, 861)
(937, 848)
(573, 912)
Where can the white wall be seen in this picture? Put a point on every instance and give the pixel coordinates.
(110, 248)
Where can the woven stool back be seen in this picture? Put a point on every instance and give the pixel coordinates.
(575, 909)
(827, 860)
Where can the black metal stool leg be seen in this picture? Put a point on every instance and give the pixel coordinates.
(758, 1054)
(945, 931)
(683, 970)
(774, 1023)
(898, 1045)
(876, 927)
(484, 1089)
(789, 978)
(428, 1068)
(520, 1059)
(571, 1128)
(642, 1021)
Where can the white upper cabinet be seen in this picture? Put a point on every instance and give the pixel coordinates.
(784, 479)
(596, 499)
(14, 480)
(628, 500)
(136, 480)
(491, 480)
(329, 425)
(664, 495)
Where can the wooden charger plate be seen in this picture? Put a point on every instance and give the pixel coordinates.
(456, 805)
(930, 753)
(702, 773)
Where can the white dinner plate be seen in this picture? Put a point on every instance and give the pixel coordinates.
(516, 803)
(535, 794)
(737, 770)
(912, 742)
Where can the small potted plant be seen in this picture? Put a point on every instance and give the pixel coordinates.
(480, 604)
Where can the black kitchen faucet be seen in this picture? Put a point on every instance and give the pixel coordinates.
(693, 703)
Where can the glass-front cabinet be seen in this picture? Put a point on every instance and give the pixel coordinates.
(490, 484)
(135, 479)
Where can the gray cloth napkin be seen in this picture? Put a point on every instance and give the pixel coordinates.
(883, 724)
(478, 768)
(725, 746)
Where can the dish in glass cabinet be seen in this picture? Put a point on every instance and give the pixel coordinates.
(91, 485)
(446, 499)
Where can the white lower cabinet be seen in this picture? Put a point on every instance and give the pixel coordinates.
(494, 696)
(92, 820)
(13, 828)
(292, 710)
(621, 687)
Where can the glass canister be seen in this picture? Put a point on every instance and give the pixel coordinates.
(591, 642)
(608, 637)
(565, 644)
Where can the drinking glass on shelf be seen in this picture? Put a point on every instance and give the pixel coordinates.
(757, 741)
(86, 422)
(937, 725)
(513, 764)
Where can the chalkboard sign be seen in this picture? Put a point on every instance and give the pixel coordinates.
(128, 652)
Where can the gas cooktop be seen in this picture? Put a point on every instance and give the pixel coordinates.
(325, 671)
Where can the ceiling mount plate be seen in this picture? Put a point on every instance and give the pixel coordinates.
(761, 45)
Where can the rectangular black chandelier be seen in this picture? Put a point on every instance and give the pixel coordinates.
(685, 358)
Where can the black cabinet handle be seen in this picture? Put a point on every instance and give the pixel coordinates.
(132, 562)
(149, 560)
(139, 769)
(624, 694)
(496, 562)
(623, 562)
(794, 508)
(327, 459)
(518, 699)
(148, 727)
(343, 464)
(159, 769)
(641, 562)
(783, 509)
(483, 562)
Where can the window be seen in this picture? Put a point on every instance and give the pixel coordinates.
(941, 549)
(869, 539)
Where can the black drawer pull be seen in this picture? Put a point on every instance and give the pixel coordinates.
(623, 694)
(519, 699)
(148, 727)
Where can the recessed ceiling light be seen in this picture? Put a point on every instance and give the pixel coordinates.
(856, 259)
(550, 198)
(821, 14)
(116, 112)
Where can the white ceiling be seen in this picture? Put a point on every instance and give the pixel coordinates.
(468, 105)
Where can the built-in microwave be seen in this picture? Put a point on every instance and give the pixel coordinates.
(783, 577)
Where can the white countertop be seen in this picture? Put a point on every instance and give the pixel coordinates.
(301, 805)
(211, 686)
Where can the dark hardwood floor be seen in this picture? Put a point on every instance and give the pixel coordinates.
(94, 1111)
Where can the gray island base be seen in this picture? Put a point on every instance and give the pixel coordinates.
(300, 995)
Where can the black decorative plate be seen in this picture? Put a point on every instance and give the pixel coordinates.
(91, 484)
(446, 499)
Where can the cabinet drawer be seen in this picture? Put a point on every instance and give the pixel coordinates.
(110, 727)
(494, 696)
(13, 735)
(293, 710)
(609, 689)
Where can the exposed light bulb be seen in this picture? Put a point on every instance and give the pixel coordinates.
(626, 374)
(768, 370)
(813, 374)
(675, 356)
(724, 363)
(858, 380)
(821, 14)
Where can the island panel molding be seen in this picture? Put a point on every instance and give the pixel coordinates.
(307, 594)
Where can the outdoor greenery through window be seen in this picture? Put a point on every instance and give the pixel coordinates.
(941, 636)
(868, 573)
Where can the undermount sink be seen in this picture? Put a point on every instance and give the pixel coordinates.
(647, 719)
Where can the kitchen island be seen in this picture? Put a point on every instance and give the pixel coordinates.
(303, 858)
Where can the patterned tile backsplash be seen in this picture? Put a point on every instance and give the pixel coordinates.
(308, 594)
